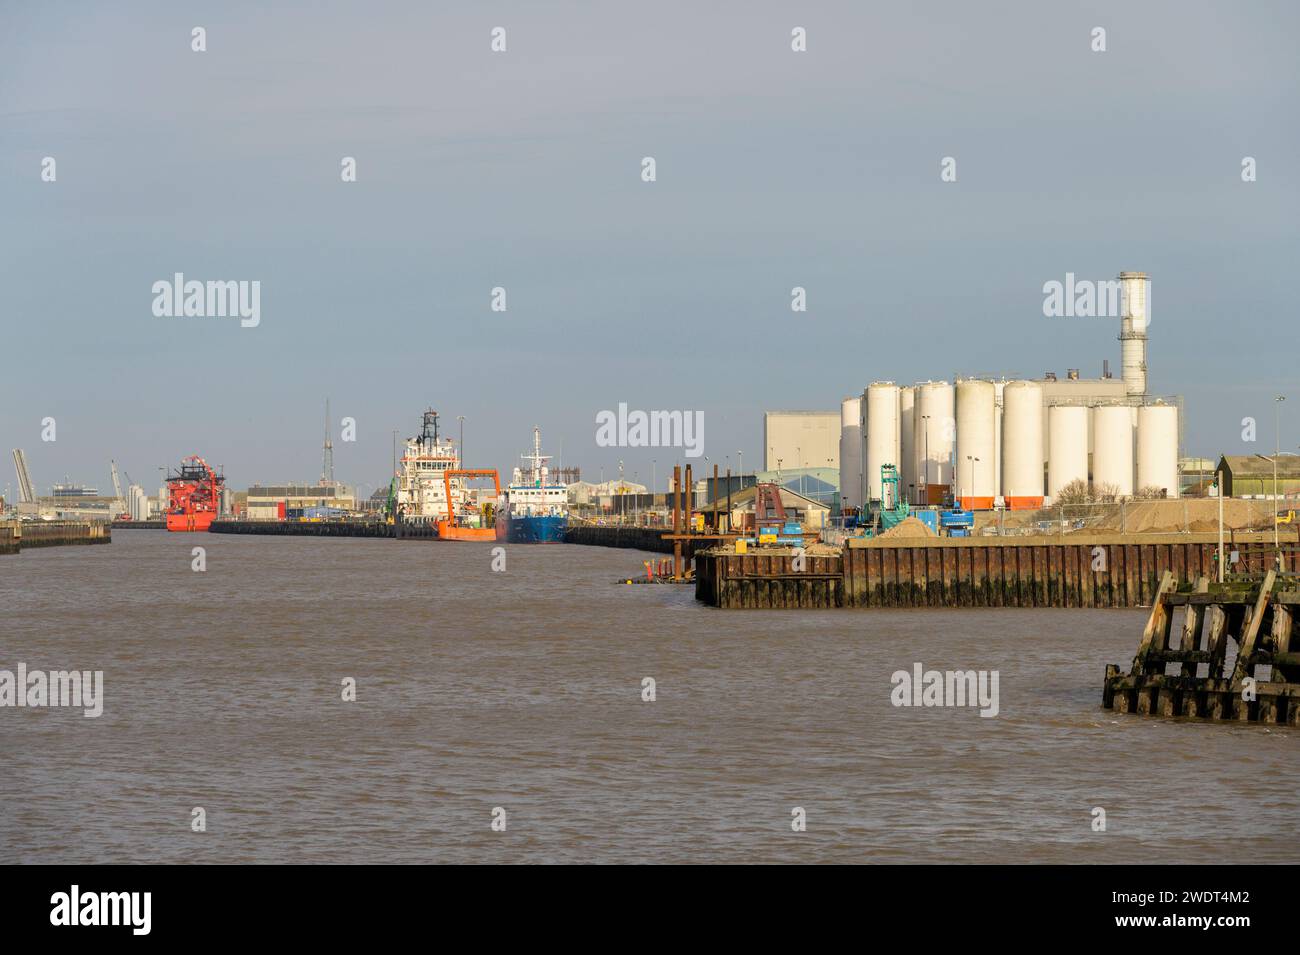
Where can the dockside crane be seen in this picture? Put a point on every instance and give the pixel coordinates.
(26, 493)
(117, 483)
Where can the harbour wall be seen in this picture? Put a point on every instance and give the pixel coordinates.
(613, 535)
(16, 536)
(638, 538)
(1076, 571)
(325, 529)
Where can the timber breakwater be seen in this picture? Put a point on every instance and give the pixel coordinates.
(1101, 570)
(16, 536)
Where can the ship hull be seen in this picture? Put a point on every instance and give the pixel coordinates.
(450, 532)
(190, 522)
(532, 530)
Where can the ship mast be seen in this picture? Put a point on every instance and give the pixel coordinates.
(327, 454)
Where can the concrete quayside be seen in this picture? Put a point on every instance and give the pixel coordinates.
(16, 536)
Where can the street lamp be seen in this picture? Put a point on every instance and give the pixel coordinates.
(1277, 445)
(1218, 489)
(926, 480)
(971, 487)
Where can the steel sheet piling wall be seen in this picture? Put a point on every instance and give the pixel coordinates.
(1096, 571)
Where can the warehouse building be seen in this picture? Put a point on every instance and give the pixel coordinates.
(1251, 475)
(268, 502)
(801, 439)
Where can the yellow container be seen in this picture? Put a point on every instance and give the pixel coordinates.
(741, 546)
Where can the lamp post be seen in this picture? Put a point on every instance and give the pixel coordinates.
(1277, 445)
(970, 488)
(926, 479)
(1218, 478)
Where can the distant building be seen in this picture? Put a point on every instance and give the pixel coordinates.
(264, 501)
(1251, 475)
(801, 439)
(813, 515)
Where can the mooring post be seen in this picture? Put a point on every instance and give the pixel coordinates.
(728, 500)
(677, 522)
(688, 492)
(713, 499)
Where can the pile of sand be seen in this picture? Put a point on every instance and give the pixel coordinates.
(909, 527)
(1193, 514)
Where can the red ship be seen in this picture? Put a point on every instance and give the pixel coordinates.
(194, 495)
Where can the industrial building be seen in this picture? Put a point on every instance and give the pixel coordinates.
(801, 439)
(1252, 475)
(269, 502)
(986, 441)
(813, 515)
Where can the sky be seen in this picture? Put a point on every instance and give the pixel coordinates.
(522, 170)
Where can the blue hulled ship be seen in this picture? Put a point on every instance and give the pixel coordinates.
(535, 510)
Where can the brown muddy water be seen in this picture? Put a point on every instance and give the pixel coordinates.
(522, 690)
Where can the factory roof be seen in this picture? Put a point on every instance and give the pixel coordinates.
(745, 498)
(1261, 465)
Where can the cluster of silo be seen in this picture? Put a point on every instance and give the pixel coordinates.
(991, 442)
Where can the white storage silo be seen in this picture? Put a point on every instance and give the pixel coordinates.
(998, 387)
(1022, 445)
(976, 459)
(907, 442)
(1067, 446)
(882, 433)
(936, 436)
(851, 451)
(1112, 450)
(1157, 448)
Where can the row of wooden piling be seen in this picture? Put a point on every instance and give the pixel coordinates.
(1256, 613)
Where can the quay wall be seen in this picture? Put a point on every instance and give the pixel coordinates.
(16, 536)
(1096, 570)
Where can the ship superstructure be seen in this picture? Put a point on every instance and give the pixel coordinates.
(422, 481)
(536, 507)
(193, 495)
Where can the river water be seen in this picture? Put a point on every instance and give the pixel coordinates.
(522, 689)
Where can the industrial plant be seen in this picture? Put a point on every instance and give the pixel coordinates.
(983, 442)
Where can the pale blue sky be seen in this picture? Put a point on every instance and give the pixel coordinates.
(521, 169)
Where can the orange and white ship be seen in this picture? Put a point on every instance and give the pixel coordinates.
(193, 495)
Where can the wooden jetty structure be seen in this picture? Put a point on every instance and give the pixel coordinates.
(1075, 570)
(1253, 615)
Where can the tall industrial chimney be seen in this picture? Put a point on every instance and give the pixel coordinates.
(1135, 316)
